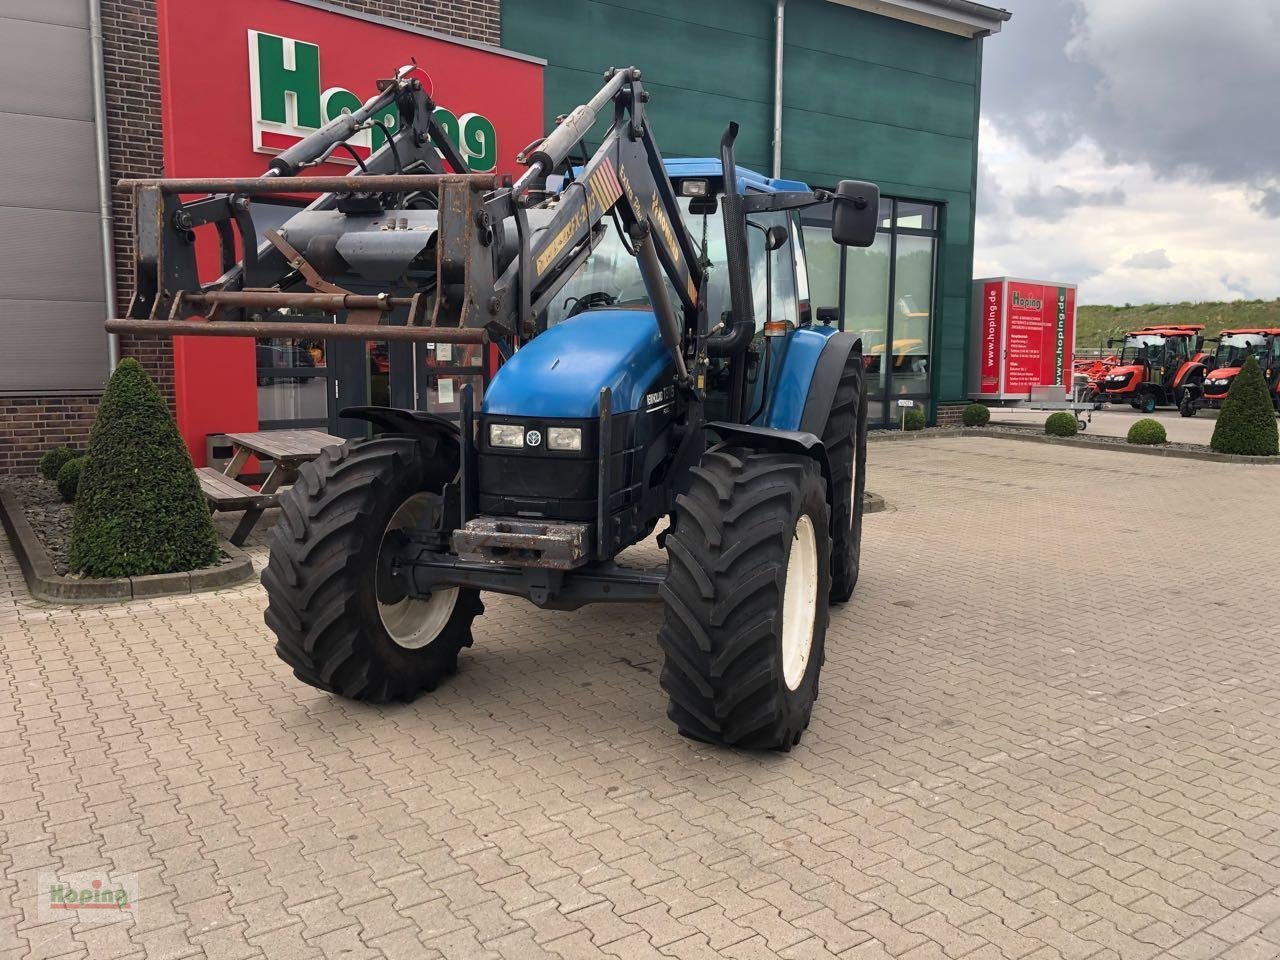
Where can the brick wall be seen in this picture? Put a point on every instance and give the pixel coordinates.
(131, 59)
(951, 414)
(31, 425)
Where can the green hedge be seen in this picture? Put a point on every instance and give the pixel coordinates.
(139, 509)
(53, 461)
(977, 415)
(1247, 423)
(1147, 432)
(1061, 424)
(69, 478)
(914, 420)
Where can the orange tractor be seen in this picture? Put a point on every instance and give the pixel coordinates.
(1163, 366)
(1234, 347)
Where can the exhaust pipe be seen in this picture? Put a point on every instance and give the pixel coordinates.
(743, 317)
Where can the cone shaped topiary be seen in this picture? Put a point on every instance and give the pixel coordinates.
(1247, 423)
(139, 508)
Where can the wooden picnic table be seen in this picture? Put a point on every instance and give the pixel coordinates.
(286, 449)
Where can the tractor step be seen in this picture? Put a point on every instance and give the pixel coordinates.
(549, 544)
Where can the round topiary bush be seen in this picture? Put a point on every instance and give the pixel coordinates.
(1247, 423)
(977, 415)
(53, 461)
(914, 420)
(1147, 432)
(139, 508)
(69, 478)
(1061, 424)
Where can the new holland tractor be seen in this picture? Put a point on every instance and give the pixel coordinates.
(1234, 347)
(662, 364)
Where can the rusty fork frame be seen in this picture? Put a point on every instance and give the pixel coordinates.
(165, 243)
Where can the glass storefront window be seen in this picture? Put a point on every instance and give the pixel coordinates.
(884, 293)
(866, 291)
(292, 380)
(912, 309)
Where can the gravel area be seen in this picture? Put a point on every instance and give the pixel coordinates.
(1038, 431)
(48, 515)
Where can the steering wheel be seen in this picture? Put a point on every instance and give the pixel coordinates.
(589, 301)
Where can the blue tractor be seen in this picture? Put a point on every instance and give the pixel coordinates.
(663, 367)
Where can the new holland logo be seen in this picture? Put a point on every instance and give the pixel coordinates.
(289, 103)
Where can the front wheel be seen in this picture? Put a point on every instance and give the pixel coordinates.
(341, 621)
(746, 599)
(1149, 403)
(1187, 406)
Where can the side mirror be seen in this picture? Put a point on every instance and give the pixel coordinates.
(855, 213)
(775, 237)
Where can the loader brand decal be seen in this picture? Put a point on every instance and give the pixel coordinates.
(289, 103)
(560, 240)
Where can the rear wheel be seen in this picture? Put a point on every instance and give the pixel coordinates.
(341, 621)
(845, 439)
(746, 599)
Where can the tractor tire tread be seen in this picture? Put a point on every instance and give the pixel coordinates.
(722, 671)
(317, 604)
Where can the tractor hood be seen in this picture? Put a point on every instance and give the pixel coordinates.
(561, 372)
(1133, 373)
(1225, 373)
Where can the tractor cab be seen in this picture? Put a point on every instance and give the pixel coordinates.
(1159, 366)
(1236, 346)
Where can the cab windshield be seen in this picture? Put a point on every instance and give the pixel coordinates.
(1233, 349)
(610, 276)
(1142, 348)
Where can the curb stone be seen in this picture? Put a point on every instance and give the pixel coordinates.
(45, 583)
(1076, 441)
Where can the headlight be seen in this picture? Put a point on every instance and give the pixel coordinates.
(564, 438)
(506, 435)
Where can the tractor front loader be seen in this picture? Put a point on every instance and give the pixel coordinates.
(641, 384)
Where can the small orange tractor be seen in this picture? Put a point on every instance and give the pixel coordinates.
(1234, 347)
(1162, 366)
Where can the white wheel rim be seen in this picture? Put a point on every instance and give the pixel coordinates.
(853, 487)
(413, 623)
(799, 603)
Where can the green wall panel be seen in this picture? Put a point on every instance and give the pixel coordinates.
(865, 96)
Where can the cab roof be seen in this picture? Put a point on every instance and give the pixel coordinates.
(688, 168)
(1256, 331)
(1173, 330)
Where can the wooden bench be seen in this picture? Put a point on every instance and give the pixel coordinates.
(228, 493)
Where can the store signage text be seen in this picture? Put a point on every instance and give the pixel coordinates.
(289, 103)
(1028, 303)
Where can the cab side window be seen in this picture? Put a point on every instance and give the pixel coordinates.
(773, 291)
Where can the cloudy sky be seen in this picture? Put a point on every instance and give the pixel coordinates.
(1133, 146)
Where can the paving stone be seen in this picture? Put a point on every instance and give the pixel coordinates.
(1001, 764)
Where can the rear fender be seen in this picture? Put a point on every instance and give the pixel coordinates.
(439, 437)
(826, 378)
(797, 442)
(1187, 370)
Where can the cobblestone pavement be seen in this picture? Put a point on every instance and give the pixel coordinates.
(1048, 728)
